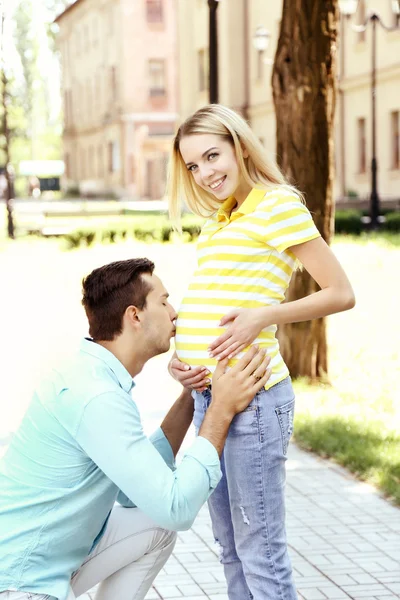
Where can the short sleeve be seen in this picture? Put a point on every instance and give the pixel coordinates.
(289, 222)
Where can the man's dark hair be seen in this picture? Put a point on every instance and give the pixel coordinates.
(109, 290)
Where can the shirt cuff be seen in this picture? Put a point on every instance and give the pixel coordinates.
(205, 453)
(163, 447)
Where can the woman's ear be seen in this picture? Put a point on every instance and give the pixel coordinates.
(245, 151)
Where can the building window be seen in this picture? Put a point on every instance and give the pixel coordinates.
(111, 20)
(396, 17)
(157, 77)
(361, 16)
(202, 59)
(71, 108)
(113, 83)
(154, 11)
(67, 163)
(91, 167)
(86, 38)
(362, 146)
(89, 105)
(395, 139)
(83, 164)
(113, 157)
(100, 166)
(95, 30)
(66, 109)
(260, 64)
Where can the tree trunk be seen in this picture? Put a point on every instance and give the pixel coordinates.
(5, 100)
(304, 91)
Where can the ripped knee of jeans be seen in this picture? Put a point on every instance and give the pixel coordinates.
(220, 549)
(245, 517)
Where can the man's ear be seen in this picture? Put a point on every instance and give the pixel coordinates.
(132, 316)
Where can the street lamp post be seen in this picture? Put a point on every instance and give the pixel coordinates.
(213, 51)
(349, 8)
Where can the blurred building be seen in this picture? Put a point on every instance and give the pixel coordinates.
(119, 80)
(245, 69)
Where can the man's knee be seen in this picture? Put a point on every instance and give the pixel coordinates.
(165, 539)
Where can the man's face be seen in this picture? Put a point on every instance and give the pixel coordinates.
(158, 317)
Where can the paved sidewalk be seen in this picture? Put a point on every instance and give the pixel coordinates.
(344, 541)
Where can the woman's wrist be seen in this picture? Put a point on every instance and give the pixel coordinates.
(268, 316)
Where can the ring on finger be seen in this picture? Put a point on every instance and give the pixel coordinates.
(256, 377)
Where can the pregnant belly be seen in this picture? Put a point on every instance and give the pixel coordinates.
(192, 339)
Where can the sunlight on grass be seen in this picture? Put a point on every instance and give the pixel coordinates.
(356, 420)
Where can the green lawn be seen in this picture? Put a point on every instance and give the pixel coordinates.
(356, 420)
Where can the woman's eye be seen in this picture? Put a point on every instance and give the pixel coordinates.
(212, 155)
(192, 168)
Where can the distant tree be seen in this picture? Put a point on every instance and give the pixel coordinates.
(6, 136)
(28, 49)
(304, 91)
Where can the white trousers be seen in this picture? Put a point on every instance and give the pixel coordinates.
(124, 563)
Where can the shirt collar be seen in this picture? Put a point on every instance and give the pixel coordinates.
(88, 346)
(251, 202)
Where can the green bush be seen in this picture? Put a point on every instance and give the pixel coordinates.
(348, 221)
(392, 222)
(144, 229)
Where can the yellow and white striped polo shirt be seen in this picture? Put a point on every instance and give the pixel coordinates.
(244, 260)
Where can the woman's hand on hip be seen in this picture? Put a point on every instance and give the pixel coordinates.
(194, 378)
(244, 326)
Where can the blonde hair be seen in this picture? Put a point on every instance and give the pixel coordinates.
(257, 170)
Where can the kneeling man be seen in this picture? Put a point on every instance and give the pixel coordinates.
(81, 447)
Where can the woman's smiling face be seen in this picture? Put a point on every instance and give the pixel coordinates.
(212, 161)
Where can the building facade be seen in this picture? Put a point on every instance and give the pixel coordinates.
(245, 71)
(120, 88)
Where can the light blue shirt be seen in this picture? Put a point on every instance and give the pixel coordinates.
(79, 448)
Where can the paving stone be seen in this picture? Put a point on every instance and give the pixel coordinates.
(190, 590)
(168, 591)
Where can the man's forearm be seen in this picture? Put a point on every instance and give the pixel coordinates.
(178, 419)
(215, 426)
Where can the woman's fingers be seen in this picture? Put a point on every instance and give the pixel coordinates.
(195, 377)
(255, 362)
(260, 383)
(179, 365)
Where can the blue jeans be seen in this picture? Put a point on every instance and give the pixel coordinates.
(248, 506)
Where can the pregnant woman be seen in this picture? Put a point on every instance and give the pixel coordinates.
(257, 231)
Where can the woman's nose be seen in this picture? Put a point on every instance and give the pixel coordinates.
(207, 172)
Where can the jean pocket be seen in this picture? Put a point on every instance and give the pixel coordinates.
(285, 414)
(244, 422)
